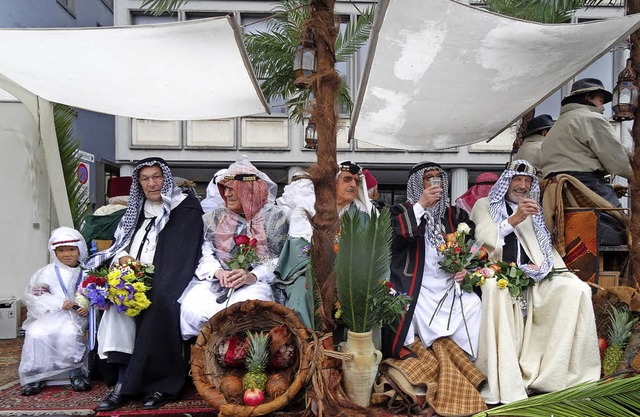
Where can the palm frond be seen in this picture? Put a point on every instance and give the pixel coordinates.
(543, 11)
(313, 297)
(611, 397)
(158, 7)
(68, 144)
(362, 261)
(356, 34)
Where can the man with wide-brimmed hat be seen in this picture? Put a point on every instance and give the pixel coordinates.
(583, 143)
(531, 148)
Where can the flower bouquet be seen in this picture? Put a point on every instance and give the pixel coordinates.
(509, 276)
(124, 287)
(460, 254)
(243, 256)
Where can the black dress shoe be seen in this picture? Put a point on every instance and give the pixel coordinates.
(114, 400)
(80, 383)
(32, 388)
(155, 400)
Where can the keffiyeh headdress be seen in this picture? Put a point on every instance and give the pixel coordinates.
(484, 183)
(433, 215)
(126, 227)
(498, 212)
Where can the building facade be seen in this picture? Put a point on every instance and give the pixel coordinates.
(197, 149)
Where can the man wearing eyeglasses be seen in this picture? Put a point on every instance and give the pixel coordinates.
(351, 189)
(299, 197)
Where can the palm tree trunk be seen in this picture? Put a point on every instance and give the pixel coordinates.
(633, 6)
(326, 221)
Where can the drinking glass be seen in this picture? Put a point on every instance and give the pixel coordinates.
(435, 181)
(534, 195)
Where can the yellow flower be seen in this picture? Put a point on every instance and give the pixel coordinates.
(502, 283)
(113, 274)
(442, 247)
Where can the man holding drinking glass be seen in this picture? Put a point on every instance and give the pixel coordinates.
(419, 228)
(546, 341)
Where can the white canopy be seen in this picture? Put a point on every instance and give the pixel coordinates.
(442, 74)
(176, 71)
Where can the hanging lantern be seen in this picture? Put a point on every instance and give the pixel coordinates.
(625, 95)
(311, 135)
(304, 60)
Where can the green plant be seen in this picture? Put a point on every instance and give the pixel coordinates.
(610, 397)
(362, 265)
(68, 145)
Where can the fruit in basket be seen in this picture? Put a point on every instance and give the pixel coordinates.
(277, 384)
(253, 397)
(231, 387)
(602, 345)
(619, 332)
(232, 352)
(256, 362)
(283, 357)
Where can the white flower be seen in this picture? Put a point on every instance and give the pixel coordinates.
(82, 301)
(463, 228)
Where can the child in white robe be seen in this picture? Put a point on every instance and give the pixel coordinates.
(54, 344)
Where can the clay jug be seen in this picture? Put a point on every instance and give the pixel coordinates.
(360, 372)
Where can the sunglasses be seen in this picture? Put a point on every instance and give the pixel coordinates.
(351, 167)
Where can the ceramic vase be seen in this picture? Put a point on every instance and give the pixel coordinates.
(359, 373)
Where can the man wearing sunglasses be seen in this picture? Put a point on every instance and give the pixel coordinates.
(351, 189)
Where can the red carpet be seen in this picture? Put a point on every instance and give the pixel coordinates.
(62, 400)
(52, 400)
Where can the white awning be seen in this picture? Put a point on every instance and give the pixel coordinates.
(442, 74)
(175, 71)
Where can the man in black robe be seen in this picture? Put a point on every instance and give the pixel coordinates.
(164, 226)
(424, 220)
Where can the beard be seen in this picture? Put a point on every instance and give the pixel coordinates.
(515, 196)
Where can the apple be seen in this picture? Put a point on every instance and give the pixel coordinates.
(253, 397)
(602, 344)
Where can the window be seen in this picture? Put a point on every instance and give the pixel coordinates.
(258, 23)
(69, 5)
(108, 3)
(146, 19)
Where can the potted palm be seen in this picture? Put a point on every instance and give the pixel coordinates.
(365, 296)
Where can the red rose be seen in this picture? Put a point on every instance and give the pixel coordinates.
(457, 249)
(253, 242)
(389, 285)
(241, 240)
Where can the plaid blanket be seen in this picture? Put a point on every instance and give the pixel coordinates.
(564, 191)
(443, 370)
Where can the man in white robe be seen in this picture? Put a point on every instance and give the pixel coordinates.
(551, 344)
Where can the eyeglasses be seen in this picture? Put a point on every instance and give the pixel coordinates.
(351, 167)
(348, 178)
(155, 178)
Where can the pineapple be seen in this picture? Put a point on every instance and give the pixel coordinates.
(619, 332)
(256, 363)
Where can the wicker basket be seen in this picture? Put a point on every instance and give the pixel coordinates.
(249, 315)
